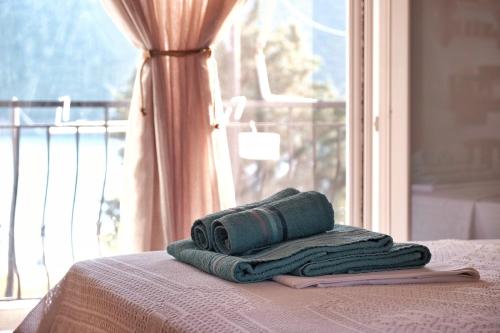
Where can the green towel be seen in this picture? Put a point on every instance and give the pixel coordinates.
(399, 256)
(301, 215)
(201, 229)
(333, 248)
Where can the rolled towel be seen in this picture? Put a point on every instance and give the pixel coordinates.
(301, 215)
(201, 232)
(285, 257)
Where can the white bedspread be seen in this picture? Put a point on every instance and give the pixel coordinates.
(151, 292)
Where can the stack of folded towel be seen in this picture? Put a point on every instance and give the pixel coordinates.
(293, 233)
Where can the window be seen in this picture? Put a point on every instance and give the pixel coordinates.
(68, 70)
(66, 74)
(283, 73)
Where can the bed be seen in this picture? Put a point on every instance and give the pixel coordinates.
(151, 292)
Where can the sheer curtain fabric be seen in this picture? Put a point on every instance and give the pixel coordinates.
(175, 161)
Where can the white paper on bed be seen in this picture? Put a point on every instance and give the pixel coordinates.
(432, 273)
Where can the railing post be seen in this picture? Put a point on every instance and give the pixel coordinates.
(12, 263)
(75, 188)
(42, 228)
(106, 142)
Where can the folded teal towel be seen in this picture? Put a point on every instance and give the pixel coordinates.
(301, 215)
(399, 256)
(201, 232)
(336, 247)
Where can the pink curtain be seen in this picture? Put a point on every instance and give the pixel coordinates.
(176, 163)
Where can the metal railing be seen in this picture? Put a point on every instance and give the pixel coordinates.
(326, 131)
(76, 128)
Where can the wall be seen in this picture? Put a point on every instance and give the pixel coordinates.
(455, 119)
(455, 90)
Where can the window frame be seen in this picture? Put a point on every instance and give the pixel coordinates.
(390, 87)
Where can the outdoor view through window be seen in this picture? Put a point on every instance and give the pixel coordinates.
(282, 70)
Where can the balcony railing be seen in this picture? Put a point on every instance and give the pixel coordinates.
(26, 137)
(59, 179)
